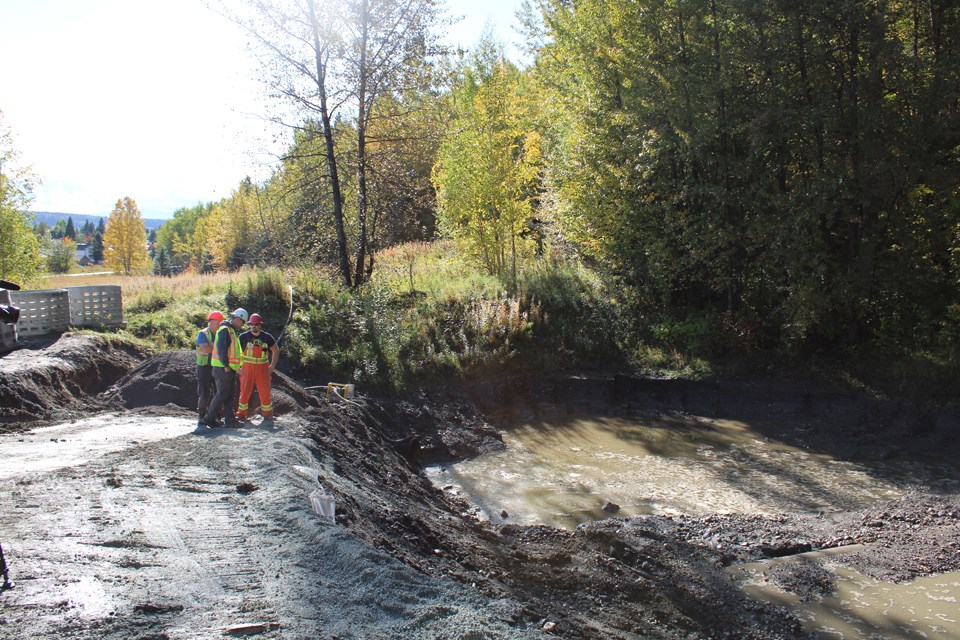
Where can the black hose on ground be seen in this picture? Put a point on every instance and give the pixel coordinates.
(289, 316)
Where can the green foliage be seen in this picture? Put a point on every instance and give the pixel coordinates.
(19, 248)
(784, 161)
(488, 167)
(96, 245)
(437, 269)
(264, 292)
(161, 262)
(61, 256)
(581, 318)
(149, 300)
(162, 329)
(177, 235)
(684, 335)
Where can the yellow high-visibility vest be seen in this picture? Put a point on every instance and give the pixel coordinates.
(203, 359)
(233, 352)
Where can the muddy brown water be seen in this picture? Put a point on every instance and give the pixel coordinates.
(565, 474)
(864, 608)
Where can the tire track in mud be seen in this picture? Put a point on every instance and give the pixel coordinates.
(198, 522)
(166, 552)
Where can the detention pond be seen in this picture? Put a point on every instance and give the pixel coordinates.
(585, 469)
(563, 466)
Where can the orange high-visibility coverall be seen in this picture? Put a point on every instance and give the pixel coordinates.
(257, 352)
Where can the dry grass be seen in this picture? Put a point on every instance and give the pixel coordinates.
(134, 286)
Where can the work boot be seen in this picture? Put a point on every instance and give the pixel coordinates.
(213, 423)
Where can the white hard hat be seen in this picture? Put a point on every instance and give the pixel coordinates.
(242, 314)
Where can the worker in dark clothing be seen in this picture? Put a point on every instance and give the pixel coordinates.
(226, 361)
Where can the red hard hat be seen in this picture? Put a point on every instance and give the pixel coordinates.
(256, 319)
(215, 315)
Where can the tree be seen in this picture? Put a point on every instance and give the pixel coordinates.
(70, 231)
(62, 255)
(791, 162)
(96, 246)
(336, 60)
(42, 231)
(488, 167)
(19, 248)
(161, 262)
(176, 235)
(59, 230)
(125, 239)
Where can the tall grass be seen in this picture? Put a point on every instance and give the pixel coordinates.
(167, 312)
(427, 314)
(133, 286)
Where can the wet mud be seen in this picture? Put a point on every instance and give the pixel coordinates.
(657, 576)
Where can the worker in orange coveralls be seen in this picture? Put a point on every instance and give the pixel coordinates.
(260, 356)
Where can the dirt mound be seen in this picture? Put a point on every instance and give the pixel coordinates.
(59, 378)
(652, 576)
(170, 378)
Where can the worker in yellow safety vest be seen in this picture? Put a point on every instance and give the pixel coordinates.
(204, 345)
(260, 356)
(226, 361)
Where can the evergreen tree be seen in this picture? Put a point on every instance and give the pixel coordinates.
(96, 246)
(161, 262)
(70, 231)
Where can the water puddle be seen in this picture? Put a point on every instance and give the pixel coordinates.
(564, 474)
(74, 443)
(858, 606)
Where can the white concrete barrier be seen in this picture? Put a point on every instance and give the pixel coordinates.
(96, 306)
(42, 312)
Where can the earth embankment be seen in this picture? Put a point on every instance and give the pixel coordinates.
(646, 577)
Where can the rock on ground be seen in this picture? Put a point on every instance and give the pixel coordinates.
(645, 577)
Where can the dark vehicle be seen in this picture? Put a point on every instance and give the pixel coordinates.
(8, 313)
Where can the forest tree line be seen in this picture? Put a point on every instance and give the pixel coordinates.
(792, 166)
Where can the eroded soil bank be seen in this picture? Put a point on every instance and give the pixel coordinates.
(650, 577)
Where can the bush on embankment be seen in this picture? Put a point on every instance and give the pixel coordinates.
(424, 315)
(427, 315)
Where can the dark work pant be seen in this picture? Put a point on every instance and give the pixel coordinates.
(226, 396)
(205, 388)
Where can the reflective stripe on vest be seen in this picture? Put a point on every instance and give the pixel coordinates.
(233, 352)
(203, 359)
(256, 354)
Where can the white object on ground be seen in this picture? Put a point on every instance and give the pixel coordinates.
(324, 505)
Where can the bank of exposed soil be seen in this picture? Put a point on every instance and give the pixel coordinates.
(650, 577)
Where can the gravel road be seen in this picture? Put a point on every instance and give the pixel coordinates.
(129, 526)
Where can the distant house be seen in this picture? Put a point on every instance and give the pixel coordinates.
(84, 257)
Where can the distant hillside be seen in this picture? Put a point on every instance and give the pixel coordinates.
(79, 218)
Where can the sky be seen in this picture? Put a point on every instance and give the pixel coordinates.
(157, 101)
